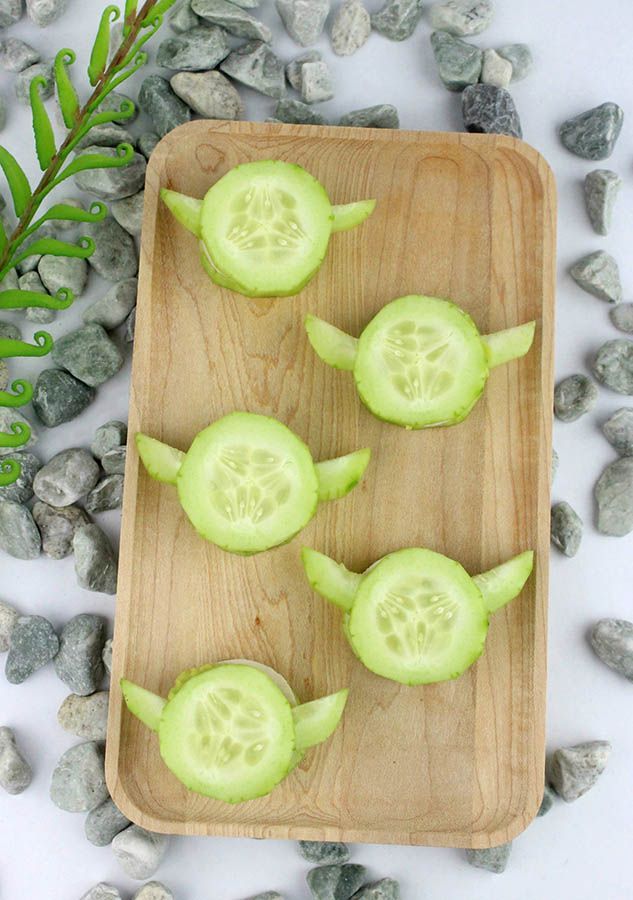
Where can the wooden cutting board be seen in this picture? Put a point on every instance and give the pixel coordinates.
(469, 217)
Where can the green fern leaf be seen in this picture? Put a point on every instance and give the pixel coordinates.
(20, 434)
(42, 345)
(22, 394)
(9, 471)
(42, 128)
(125, 152)
(53, 247)
(62, 212)
(158, 10)
(3, 237)
(66, 93)
(130, 13)
(101, 46)
(17, 181)
(16, 299)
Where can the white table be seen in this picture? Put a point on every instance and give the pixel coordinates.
(582, 52)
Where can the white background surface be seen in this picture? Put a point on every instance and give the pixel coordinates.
(582, 58)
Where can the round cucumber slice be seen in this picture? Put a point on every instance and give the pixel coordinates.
(317, 720)
(248, 483)
(418, 618)
(420, 363)
(274, 676)
(267, 226)
(228, 733)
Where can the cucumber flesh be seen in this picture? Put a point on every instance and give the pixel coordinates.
(161, 461)
(218, 277)
(349, 215)
(187, 210)
(143, 704)
(333, 346)
(274, 676)
(337, 477)
(505, 582)
(512, 343)
(330, 579)
(316, 721)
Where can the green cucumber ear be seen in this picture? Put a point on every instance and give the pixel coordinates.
(187, 210)
(350, 215)
(330, 579)
(316, 721)
(512, 343)
(337, 477)
(505, 582)
(143, 704)
(333, 346)
(161, 461)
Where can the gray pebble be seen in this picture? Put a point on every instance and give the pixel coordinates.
(487, 109)
(232, 18)
(4, 375)
(267, 895)
(78, 781)
(21, 490)
(614, 496)
(57, 527)
(4, 111)
(303, 19)
(113, 183)
(15, 772)
(520, 56)
(45, 12)
(555, 462)
(102, 891)
(547, 802)
(113, 103)
(59, 397)
(462, 17)
(129, 212)
(153, 890)
(458, 63)
(385, 889)
(66, 478)
(113, 461)
(622, 317)
(182, 17)
(139, 852)
(397, 19)
(201, 48)
(17, 55)
(324, 852)
(8, 617)
(209, 94)
(95, 562)
(601, 190)
(108, 437)
(88, 354)
(79, 664)
(613, 365)
(573, 397)
(495, 69)
(296, 112)
(115, 256)
(25, 77)
(130, 327)
(19, 536)
(592, 134)
(107, 135)
(335, 882)
(11, 11)
(382, 116)
(10, 280)
(31, 262)
(108, 494)
(159, 103)
(566, 529)
(612, 641)
(293, 69)
(598, 274)
(493, 859)
(351, 28)
(107, 656)
(618, 430)
(10, 330)
(31, 281)
(147, 143)
(572, 771)
(85, 716)
(63, 272)
(104, 822)
(255, 65)
(10, 417)
(33, 645)
(316, 82)
(114, 307)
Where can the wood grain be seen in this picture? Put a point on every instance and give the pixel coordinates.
(470, 217)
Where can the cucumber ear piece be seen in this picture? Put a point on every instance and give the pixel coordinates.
(187, 210)
(315, 721)
(349, 215)
(330, 579)
(161, 461)
(143, 704)
(333, 346)
(337, 477)
(512, 343)
(505, 582)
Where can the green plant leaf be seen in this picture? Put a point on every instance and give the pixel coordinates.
(22, 394)
(139, 62)
(3, 237)
(16, 299)
(19, 434)
(125, 153)
(152, 28)
(130, 13)
(161, 7)
(62, 212)
(125, 111)
(66, 93)
(42, 128)
(43, 345)
(53, 247)
(101, 46)
(9, 471)
(17, 181)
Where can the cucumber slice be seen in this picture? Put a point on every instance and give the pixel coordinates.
(228, 733)
(512, 343)
(333, 346)
(317, 720)
(337, 477)
(274, 676)
(267, 226)
(420, 363)
(216, 276)
(418, 618)
(350, 215)
(143, 704)
(505, 582)
(187, 210)
(330, 579)
(161, 461)
(248, 483)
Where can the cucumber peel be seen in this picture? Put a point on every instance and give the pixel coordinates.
(350, 215)
(330, 579)
(161, 461)
(143, 704)
(315, 721)
(506, 581)
(187, 210)
(504, 346)
(337, 477)
(333, 346)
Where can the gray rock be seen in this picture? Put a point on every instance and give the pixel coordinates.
(458, 63)
(25, 77)
(102, 891)
(95, 563)
(547, 802)
(495, 69)
(113, 183)
(107, 135)
(232, 18)
(31, 281)
(612, 641)
(351, 28)
(59, 397)
(8, 617)
(130, 327)
(63, 272)
(33, 645)
(31, 262)
(303, 19)
(182, 18)
(104, 822)
(296, 112)
(398, 19)
(566, 529)
(88, 354)
(79, 664)
(9, 418)
(614, 496)
(4, 375)
(115, 256)
(11, 11)
(17, 55)
(385, 889)
(129, 212)
(147, 143)
(293, 69)
(78, 781)
(114, 307)
(520, 56)
(57, 527)
(21, 490)
(159, 103)
(45, 12)
(108, 494)
(382, 116)
(10, 331)
(4, 111)
(462, 17)
(324, 852)
(592, 134)
(113, 461)
(613, 365)
(209, 94)
(494, 859)
(108, 437)
(316, 82)
(598, 274)
(572, 771)
(622, 317)
(573, 397)
(201, 48)
(601, 190)
(618, 430)
(267, 895)
(19, 536)
(153, 890)
(10, 280)
(66, 478)
(107, 656)
(255, 65)
(114, 102)
(335, 882)
(487, 109)
(85, 716)
(15, 772)
(139, 852)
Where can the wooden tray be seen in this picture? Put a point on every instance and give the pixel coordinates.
(470, 217)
